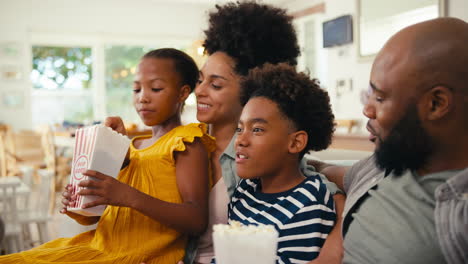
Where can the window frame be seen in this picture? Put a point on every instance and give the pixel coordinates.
(97, 43)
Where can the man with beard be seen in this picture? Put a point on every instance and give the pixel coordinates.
(408, 203)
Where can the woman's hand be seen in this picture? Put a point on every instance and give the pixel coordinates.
(68, 199)
(116, 123)
(109, 190)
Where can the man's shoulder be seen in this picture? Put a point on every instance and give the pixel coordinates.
(366, 163)
(450, 218)
(361, 171)
(459, 182)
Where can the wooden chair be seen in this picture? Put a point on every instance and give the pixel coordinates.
(58, 166)
(7, 158)
(28, 151)
(36, 149)
(57, 181)
(3, 166)
(349, 124)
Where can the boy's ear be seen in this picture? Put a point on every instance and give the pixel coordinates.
(184, 93)
(298, 141)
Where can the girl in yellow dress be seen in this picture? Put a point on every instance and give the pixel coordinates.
(161, 195)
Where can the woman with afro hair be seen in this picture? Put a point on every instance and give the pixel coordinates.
(240, 37)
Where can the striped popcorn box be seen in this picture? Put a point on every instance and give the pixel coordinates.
(97, 148)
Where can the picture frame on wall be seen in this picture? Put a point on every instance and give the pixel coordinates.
(12, 99)
(10, 72)
(10, 50)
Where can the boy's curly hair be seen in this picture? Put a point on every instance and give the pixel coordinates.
(184, 65)
(298, 97)
(252, 34)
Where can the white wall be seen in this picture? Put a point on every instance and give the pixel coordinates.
(458, 8)
(343, 63)
(22, 21)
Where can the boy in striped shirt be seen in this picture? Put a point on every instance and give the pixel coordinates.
(286, 114)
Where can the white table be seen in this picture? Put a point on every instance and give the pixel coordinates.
(64, 141)
(22, 189)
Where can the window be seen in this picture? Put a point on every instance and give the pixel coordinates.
(121, 62)
(62, 82)
(85, 78)
(379, 20)
(61, 68)
(309, 33)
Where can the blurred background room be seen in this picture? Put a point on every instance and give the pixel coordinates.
(66, 64)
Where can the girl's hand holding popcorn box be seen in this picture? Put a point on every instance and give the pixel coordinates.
(98, 156)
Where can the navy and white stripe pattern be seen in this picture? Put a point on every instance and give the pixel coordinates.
(303, 216)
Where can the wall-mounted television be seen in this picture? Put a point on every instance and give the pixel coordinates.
(338, 31)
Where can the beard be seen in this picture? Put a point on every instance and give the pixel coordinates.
(408, 145)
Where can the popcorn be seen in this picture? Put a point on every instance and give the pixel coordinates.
(238, 243)
(236, 227)
(97, 148)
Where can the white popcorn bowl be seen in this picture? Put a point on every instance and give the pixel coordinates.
(250, 245)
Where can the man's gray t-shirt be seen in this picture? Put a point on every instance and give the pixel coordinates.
(395, 223)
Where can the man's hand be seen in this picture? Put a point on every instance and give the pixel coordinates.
(332, 250)
(334, 173)
(318, 165)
